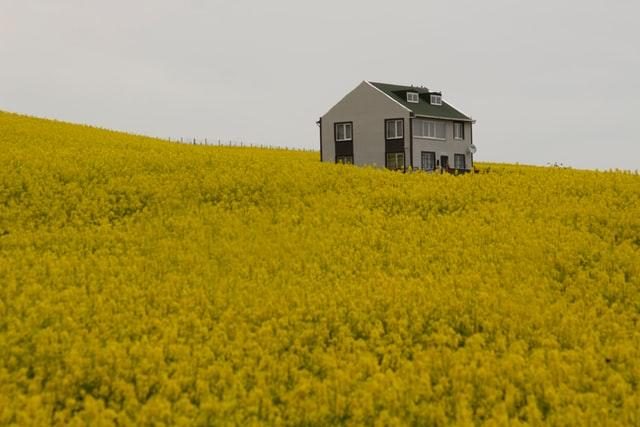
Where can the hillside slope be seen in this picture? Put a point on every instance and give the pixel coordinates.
(144, 282)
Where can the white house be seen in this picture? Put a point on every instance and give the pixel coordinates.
(398, 127)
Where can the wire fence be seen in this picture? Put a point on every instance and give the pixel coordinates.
(219, 142)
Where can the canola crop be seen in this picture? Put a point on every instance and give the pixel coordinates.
(150, 283)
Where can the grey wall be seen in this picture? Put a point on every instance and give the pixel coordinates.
(447, 147)
(367, 108)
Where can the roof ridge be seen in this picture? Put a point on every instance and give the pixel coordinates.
(398, 85)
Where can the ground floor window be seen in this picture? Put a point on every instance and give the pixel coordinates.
(428, 160)
(459, 161)
(395, 161)
(347, 160)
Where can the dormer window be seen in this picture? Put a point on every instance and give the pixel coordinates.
(436, 99)
(412, 97)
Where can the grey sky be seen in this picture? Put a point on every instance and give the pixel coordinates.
(547, 81)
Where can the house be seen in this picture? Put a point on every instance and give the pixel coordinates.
(398, 127)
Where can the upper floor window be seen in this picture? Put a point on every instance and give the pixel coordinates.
(459, 161)
(436, 99)
(429, 129)
(344, 132)
(413, 97)
(458, 130)
(395, 129)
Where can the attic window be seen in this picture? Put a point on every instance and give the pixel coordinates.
(436, 99)
(412, 97)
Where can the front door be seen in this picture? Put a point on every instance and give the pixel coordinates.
(444, 162)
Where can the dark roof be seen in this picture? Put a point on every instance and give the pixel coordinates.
(423, 108)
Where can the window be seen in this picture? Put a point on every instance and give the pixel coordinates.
(413, 97)
(459, 161)
(395, 161)
(436, 99)
(429, 129)
(344, 132)
(458, 130)
(428, 160)
(395, 128)
(346, 160)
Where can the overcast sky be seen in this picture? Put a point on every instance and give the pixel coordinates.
(547, 81)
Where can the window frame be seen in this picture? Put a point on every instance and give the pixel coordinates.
(340, 159)
(423, 155)
(438, 99)
(395, 154)
(461, 136)
(344, 125)
(424, 135)
(415, 100)
(456, 156)
(395, 122)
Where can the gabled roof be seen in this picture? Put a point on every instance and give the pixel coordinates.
(423, 108)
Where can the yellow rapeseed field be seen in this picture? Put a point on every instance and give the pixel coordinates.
(150, 283)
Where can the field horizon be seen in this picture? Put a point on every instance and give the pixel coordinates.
(144, 282)
(236, 144)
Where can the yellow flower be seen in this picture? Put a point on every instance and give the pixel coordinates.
(144, 282)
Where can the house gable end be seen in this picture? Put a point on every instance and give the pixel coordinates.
(365, 90)
(366, 108)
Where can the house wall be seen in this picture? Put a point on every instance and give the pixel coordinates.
(447, 147)
(367, 108)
